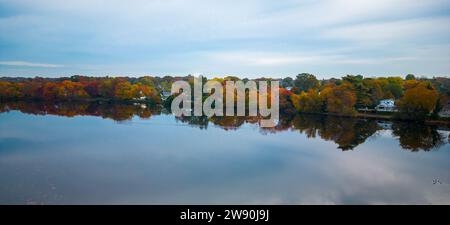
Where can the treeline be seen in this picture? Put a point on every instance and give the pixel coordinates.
(414, 98)
(79, 88)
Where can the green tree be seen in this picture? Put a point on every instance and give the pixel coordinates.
(410, 77)
(395, 86)
(306, 81)
(287, 82)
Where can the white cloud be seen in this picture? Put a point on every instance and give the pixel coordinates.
(392, 32)
(29, 64)
(258, 58)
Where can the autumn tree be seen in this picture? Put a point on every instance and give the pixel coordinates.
(72, 90)
(374, 93)
(286, 102)
(92, 88)
(418, 101)
(10, 90)
(309, 102)
(124, 91)
(106, 88)
(392, 87)
(339, 99)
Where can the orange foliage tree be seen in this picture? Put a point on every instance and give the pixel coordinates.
(339, 99)
(418, 101)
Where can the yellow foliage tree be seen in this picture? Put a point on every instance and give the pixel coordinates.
(418, 101)
(309, 102)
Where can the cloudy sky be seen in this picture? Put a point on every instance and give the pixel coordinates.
(216, 38)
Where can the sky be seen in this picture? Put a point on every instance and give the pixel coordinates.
(246, 38)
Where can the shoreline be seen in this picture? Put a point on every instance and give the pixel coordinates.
(106, 100)
(383, 117)
(391, 118)
(388, 117)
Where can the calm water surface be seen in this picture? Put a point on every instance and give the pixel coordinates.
(113, 154)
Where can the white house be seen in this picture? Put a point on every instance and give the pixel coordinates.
(165, 94)
(445, 112)
(141, 96)
(386, 105)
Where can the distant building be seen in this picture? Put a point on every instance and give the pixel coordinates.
(143, 106)
(141, 96)
(165, 94)
(445, 112)
(386, 105)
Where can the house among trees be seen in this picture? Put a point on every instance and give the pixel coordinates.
(165, 94)
(445, 112)
(140, 96)
(386, 105)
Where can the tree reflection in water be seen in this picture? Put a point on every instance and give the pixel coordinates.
(417, 137)
(347, 133)
(117, 112)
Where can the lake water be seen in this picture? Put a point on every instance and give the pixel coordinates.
(114, 154)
